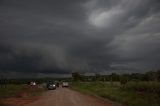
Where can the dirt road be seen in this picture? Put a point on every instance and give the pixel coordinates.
(67, 97)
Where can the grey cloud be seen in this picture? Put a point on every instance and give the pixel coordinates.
(86, 36)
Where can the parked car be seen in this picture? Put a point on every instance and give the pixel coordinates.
(65, 84)
(51, 85)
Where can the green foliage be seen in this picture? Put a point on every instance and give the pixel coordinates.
(79, 77)
(149, 87)
(158, 75)
(76, 76)
(123, 79)
(117, 93)
(114, 77)
(12, 90)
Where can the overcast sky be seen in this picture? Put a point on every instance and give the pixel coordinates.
(41, 37)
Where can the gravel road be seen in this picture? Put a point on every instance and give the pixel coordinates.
(68, 97)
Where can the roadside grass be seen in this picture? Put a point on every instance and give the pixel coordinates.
(35, 92)
(120, 94)
(20, 90)
(10, 90)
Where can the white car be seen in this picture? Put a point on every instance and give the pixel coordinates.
(32, 83)
(65, 84)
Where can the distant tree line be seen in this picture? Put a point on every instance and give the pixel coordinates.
(76, 76)
(148, 76)
(4, 81)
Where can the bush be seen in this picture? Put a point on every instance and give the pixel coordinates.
(151, 87)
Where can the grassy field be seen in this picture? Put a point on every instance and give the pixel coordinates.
(132, 94)
(19, 90)
(10, 90)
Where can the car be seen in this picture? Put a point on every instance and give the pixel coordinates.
(51, 85)
(32, 83)
(65, 84)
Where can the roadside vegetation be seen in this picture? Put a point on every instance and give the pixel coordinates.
(128, 89)
(10, 90)
(19, 90)
(132, 94)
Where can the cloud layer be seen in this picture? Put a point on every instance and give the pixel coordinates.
(79, 35)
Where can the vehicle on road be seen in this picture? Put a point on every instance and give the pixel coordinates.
(32, 83)
(51, 85)
(65, 84)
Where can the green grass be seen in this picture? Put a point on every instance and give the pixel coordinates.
(10, 90)
(150, 87)
(35, 92)
(117, 93)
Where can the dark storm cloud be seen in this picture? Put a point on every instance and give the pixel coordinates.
(79, 35)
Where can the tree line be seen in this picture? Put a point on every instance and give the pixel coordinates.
(76, 76)
(148, 76)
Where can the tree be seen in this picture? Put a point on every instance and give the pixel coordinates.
(124, 79)
(115, 77)
(158, 75)
(76, 76)
(151, 76)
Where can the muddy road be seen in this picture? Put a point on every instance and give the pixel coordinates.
(68, 97)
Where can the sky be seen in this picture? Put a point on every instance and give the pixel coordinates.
(58, 37)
